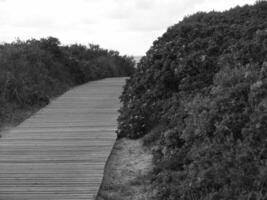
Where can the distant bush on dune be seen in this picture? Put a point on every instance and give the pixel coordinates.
(34, 71)
(199, 97)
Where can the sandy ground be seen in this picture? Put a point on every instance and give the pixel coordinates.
(126, 172)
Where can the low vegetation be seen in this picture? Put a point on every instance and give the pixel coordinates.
(34, 71)
(199, 99)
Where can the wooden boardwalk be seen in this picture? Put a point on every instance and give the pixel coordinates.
(60, 152)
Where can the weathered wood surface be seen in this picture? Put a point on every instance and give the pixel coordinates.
(60, 152)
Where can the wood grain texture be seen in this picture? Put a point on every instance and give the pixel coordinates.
(60, 152)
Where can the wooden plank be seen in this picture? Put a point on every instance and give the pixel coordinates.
(60, 152)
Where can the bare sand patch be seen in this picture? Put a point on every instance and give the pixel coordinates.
(126, 172)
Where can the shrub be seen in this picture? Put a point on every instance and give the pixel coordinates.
(205, 82)
(34, 71)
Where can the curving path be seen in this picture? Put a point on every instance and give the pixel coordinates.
(60, 152)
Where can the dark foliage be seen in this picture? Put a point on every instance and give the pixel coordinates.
(34, 71)
(201, 90)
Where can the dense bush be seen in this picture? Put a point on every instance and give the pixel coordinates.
(200, 95)
(34, 71)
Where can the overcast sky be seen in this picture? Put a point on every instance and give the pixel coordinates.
(129, 26)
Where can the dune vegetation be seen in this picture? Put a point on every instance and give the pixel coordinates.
(199, 101)
(33, 72)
